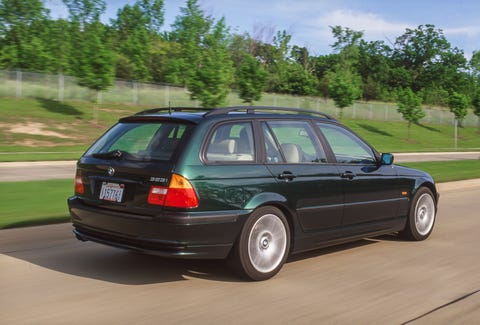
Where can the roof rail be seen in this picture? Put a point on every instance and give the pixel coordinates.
(172, 109)
(254, 109)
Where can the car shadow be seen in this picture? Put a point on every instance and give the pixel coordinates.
(90, 260)
(330, 250)
(120, 266)
(54, 247)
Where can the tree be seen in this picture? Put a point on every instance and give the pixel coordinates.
(344, 88)
(57, 40)
(251, 79)
(302, 57)
(409, 105)
(154, 14)
(475, 67)
(21, 26)
(458, 104)
(322, 67)
(293, 79)
(375, 66)
(211, 79)
(92, 55)
(188, 30)
(95, 69)
(132, 42)
(430, 61)
(204, 63)
(160, 52)
(136, 27)
(277, 60)
(85, 11)
(344, 82)
(476, 105)
(475, 63)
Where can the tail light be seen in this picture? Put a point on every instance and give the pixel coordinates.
(178, 194)
(79, 188)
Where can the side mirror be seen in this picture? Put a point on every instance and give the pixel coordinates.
(387, 159)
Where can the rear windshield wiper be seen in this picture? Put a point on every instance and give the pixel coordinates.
(114, 154)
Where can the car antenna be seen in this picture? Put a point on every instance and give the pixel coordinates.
(169, 108)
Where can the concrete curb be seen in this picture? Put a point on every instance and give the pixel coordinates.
(38, 163)
(437, 153)
(458, 185)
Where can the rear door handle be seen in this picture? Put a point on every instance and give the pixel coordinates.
(287, 176)
(348, 175)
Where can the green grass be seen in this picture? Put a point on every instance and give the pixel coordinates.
(76, 123)
(446, 171)
(392, 136)
(34, 202)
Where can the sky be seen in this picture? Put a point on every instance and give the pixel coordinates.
(308, 21)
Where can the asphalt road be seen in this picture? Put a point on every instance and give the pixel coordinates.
(42, 170)
(48, 277)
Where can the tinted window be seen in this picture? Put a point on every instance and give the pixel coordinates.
(141, 141)
(296, 141)
(231, 142)
(347, 147)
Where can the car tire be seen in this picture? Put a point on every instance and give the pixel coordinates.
(263, 245)
(421, 217)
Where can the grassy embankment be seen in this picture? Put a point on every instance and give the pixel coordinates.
(43, 129)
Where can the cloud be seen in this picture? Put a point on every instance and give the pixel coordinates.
(373, 25)
(469, 31)
(315, 28)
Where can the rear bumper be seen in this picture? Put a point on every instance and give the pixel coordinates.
(185, 235)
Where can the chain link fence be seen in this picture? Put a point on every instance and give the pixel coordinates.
(21, 84)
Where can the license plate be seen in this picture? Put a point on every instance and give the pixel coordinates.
(111, 192)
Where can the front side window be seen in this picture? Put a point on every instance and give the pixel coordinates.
(231, 142)
(347, 147)
(139, 141)
(295, 140)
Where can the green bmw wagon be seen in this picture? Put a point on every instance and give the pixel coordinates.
(253, 185)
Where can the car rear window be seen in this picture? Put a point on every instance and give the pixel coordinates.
(140, 141)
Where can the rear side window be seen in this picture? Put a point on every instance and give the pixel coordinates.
(140, 141)
(231, 142)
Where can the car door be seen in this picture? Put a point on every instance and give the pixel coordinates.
(295, 157)
(372, 191)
